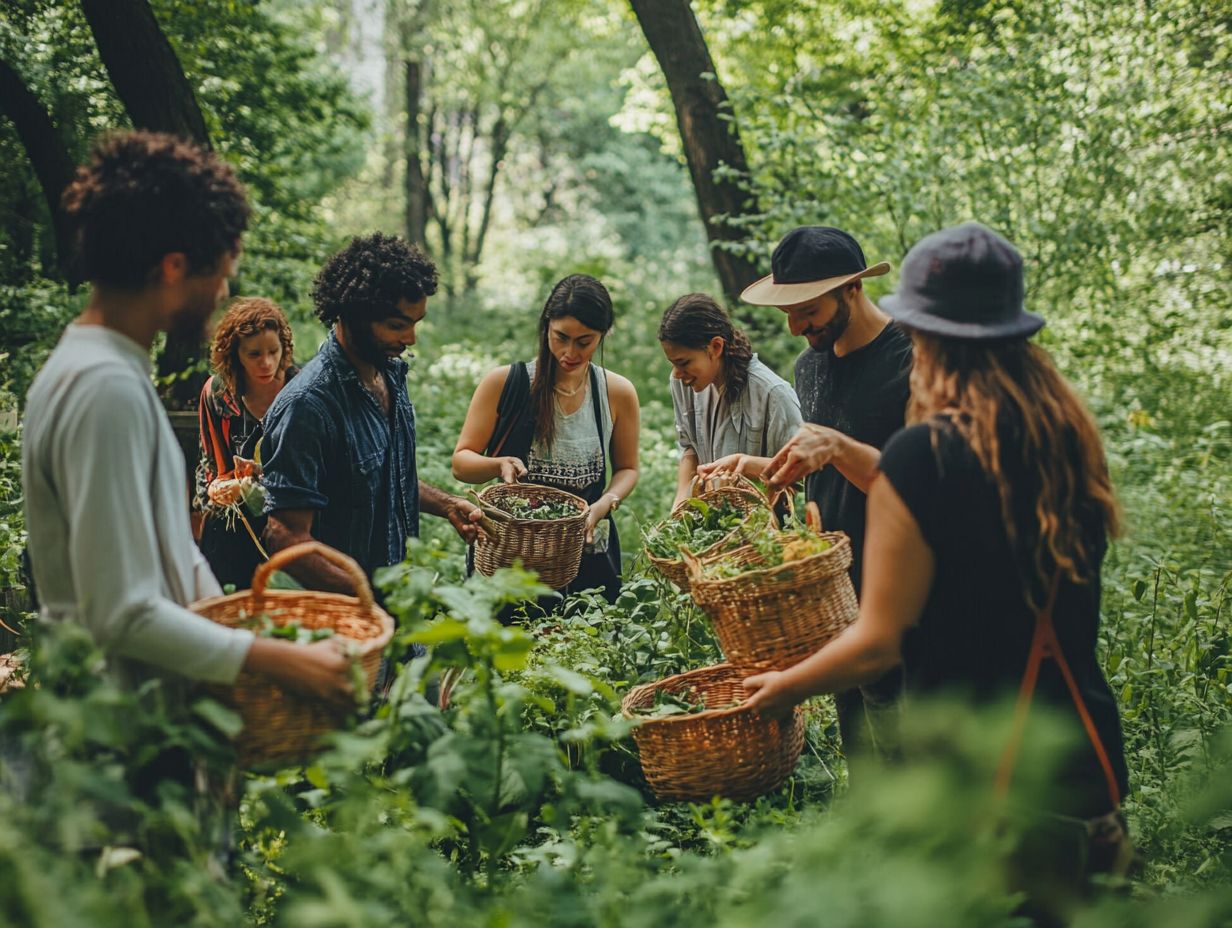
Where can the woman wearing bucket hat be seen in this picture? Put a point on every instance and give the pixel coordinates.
(725, 400)
(986, 531)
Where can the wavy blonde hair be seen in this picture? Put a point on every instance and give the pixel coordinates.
(981, 384)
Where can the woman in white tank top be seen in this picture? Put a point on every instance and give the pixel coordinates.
(561, 420)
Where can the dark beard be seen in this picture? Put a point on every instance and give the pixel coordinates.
(835, 328)
(365, 344)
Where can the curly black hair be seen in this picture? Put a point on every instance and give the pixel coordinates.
(144, 195)
(364, 281)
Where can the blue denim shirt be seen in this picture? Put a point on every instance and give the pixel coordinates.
(330, 447)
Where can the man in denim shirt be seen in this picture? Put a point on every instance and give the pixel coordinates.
(339, 443)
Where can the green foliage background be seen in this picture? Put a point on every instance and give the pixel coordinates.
(1090, 132)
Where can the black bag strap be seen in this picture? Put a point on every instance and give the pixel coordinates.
(512, 409)
(598, 407)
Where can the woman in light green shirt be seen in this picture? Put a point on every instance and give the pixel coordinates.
(726, 401)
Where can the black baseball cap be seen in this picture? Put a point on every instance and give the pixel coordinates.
(808, 262)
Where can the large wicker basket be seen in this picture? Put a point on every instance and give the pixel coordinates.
(281, 726)
(551, 547)
(741, 492)
(772, 618)
(735, 751)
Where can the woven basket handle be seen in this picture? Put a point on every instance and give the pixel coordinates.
(691, 563)
(279, 559)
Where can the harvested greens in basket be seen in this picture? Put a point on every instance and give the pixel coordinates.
(264, 626)
(700, 525)
(680, 702)
(536, 507)
(774, 548)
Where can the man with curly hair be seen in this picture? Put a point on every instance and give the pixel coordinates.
(158, 224)
(339, 448)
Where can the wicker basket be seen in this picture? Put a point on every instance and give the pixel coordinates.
(735, 752)
(551, 547)
(281, 726)
(732, 488)
(772, 618)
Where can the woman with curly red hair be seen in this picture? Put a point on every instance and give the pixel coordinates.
(251, 358)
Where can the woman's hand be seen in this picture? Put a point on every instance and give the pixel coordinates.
(597, 511)
(771, 694)
(747, 464)
(511, 469)
(224, 491)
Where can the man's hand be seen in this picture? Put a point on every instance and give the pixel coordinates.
(511, 469)
(770, 694)
(809, 450)
(321, 669)
(747, 464)
(464, 517)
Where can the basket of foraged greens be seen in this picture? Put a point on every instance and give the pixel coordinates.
(697, 739)
(543, 527)
(709, 523)
(779, 597)
(282, 726)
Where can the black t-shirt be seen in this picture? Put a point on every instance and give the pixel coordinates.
(864, 395)
(975, 632)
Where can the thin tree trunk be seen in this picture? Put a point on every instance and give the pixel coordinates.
(49, 156)
(156, 94)
(416, 183)
(709, 139)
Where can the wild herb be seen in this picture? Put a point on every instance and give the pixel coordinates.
(537, 508)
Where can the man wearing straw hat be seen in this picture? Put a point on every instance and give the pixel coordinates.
(158, 225)
(852, 381)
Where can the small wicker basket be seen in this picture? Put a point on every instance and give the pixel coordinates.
(734, 752)
(741, 492)
(282, 726)
(551, 547)
(772, 618)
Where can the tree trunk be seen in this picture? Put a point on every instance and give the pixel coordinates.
(49, 156)
(710, 140)
(416, 182)
(157, 95)
(144, 69)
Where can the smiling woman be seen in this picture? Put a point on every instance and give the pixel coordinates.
(726, 401)
(560, 421)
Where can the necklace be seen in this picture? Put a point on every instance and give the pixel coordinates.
(574, 392)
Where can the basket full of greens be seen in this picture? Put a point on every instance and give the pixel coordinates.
(709, 523)
(542, 527)
(697, 739)
(778, 597)
(281, 726)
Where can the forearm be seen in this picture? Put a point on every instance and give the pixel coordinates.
(858, 463)
(313, 572)
(472, 467)
(435, 501)
(854, 658)
(685, 474)
(623, 482)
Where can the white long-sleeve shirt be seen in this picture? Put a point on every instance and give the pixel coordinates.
(107, 512)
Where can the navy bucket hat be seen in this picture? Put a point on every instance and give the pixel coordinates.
(963, 282)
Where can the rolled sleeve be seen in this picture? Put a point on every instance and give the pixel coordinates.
(296, 436)
(683, 408)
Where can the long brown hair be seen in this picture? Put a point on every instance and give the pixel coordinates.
(580, 297)
(983, 384)
(250, 315)
(696, 318)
